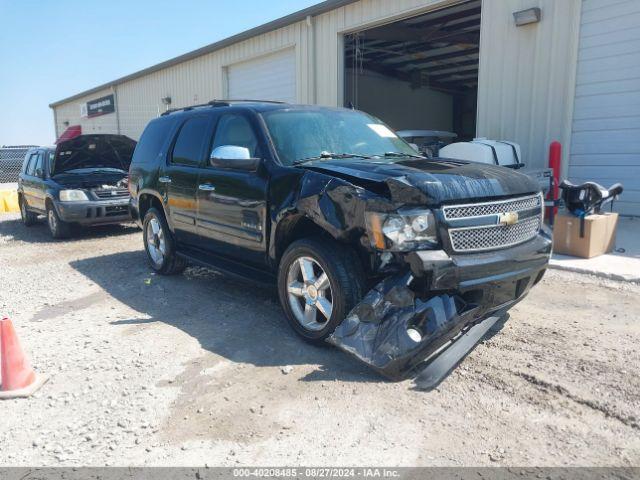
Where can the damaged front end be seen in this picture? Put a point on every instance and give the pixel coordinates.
(391, 330)
(437, 311)
(397, 334)
(434, 299)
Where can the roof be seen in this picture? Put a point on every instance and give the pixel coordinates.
(295, 17)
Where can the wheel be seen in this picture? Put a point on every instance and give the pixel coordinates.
(58, 228)
(28, 218)
(159, 244)
(319, 282)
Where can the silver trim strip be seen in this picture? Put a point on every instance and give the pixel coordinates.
(497, 202)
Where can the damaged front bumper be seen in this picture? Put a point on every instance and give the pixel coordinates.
(411, 317)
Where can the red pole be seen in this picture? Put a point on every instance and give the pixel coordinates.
(555, 157)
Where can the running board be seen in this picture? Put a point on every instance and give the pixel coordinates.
(227, 266)
(437, 370)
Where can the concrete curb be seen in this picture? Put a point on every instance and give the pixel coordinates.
(598, 273)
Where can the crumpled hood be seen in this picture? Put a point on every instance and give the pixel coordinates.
(430, 181)
(93, 151)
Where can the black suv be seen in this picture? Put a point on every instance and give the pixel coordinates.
(387, 254)
(83, 181)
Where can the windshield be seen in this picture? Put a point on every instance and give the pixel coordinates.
(308, 134)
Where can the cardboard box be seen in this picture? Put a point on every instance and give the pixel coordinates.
(599, 235)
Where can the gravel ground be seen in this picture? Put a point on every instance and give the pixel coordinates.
(201, 369)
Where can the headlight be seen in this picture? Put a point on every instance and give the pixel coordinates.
(402, 231)
(72, 196)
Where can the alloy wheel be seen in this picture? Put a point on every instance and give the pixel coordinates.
(156, 245)
(309, 293)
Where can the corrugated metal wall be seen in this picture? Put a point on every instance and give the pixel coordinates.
(526, 73)
(192, 82)
(605, 144)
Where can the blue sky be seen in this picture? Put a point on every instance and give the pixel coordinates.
(53, 49)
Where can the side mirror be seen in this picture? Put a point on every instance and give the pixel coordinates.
(39, 173)
(233, 157)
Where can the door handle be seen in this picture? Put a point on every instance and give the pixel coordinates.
(164, 179)
(207, 187)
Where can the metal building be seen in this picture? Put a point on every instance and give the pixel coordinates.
(530, 71)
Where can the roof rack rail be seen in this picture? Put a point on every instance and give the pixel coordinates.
(249, 100)
(218, 103)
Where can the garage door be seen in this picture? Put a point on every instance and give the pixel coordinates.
(606, 127)
(272, 77)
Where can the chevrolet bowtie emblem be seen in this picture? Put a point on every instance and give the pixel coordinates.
(508, 218)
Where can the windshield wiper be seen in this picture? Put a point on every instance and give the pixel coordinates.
(330, 156)
(402, 155)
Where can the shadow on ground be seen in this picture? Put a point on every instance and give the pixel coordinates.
(239, 321)
(15, 230)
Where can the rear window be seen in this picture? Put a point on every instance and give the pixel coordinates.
(188, 148)
(152, 141)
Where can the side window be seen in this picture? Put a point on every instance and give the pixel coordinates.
(152, 140)
(49, 163)
(38, 170)
(235, 130)
(188, 147)
(31, 167)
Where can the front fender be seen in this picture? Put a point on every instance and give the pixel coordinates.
(334, 205)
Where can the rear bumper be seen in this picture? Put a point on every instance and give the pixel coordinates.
(410, 317)
(94, 212)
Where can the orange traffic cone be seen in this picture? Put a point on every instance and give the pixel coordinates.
(17, 376)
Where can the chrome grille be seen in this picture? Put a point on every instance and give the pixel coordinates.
(111, 193)
(470, 232)
(495, 236)
(492, 208)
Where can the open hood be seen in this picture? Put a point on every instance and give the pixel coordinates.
(430, 181)
(94, 152)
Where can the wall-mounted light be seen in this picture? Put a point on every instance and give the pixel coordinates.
(525, 17)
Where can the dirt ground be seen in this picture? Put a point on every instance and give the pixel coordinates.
(201, 369)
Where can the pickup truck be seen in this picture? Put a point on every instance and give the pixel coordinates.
(391, 256)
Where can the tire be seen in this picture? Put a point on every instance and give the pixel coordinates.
(28, 218)
(58, 228)
(160, 245)
(346, 286)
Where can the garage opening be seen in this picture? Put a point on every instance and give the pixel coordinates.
(420, 73)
